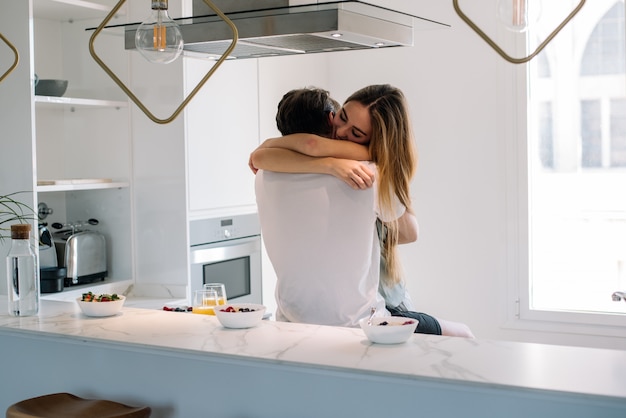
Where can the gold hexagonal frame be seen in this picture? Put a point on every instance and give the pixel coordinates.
(499, 50)
(130, 94)
(15, 62)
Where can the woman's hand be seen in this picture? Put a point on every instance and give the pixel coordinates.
(251, 164)
(354, 173)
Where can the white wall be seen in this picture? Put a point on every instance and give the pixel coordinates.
(458, 270)
(16, 139)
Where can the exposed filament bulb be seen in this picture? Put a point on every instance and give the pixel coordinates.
(159, 38)
(518, 15)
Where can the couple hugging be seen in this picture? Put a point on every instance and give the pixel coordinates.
(334, 203)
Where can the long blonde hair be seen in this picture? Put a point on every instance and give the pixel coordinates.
(392, 149)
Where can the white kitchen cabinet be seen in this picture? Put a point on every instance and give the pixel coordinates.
(222, 129)
(94, 132)
(84, 134)
(82, 149)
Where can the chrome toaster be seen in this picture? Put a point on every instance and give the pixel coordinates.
(82, 253)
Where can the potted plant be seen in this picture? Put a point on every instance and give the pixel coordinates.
(13, 211)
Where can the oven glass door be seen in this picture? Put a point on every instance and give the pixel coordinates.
(236, 263)
(234, 273)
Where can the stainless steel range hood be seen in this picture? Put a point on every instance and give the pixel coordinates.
(289, 27)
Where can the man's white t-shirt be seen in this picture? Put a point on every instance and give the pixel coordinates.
(321, 238)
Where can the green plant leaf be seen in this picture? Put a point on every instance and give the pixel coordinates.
(13, 211)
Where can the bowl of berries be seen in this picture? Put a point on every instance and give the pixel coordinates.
(100, 305)
(388, 329)
(240, 315)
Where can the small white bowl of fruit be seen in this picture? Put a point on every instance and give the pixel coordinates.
(240, 315)
(388, 329)
(105, 304)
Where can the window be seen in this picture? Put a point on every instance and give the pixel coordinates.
(591, 133)
(576, 203)
(618, 132)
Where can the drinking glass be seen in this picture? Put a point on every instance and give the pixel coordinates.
(220, 291)
(204, 301)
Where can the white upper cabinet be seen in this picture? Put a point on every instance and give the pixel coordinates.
(222, 129)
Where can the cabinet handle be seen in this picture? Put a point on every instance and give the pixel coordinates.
(130, 94)
(17, 58)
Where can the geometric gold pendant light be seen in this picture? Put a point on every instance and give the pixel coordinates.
(131, 95)
(499, 50)
(15, 53)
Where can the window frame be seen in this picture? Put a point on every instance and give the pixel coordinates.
(513, 124)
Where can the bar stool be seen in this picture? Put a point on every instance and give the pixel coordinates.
(66, 405)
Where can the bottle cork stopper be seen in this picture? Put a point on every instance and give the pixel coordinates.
(20, 231)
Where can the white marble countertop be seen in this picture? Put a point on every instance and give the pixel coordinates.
(574, 370)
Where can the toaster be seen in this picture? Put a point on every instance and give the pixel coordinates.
(83, 254)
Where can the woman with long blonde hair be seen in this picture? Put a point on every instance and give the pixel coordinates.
(374, 125)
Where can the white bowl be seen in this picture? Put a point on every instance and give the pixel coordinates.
(240, 319)
(101, 308)
(397, 330)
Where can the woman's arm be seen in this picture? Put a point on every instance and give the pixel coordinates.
(408, 229)
(286, 161)
(353, 173)
(317, 146)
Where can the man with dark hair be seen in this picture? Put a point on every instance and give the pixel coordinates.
(307, 110)
(307, 220)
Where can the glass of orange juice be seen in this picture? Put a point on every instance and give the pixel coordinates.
(204, 301)
(220, 291)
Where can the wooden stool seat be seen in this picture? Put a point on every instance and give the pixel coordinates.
(66, 405)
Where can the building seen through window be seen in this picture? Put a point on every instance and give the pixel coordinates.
(577, 162)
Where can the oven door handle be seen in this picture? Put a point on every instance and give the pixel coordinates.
(225, 252)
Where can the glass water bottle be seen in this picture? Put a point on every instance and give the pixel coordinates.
(22, 273)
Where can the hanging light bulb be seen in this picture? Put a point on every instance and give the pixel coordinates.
(518, 15)
(159, 38)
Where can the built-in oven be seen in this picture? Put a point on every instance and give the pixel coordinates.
(227, 250)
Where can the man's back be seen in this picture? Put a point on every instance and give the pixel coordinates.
(321, 238)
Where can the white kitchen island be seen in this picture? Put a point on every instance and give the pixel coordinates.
(186, 365)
